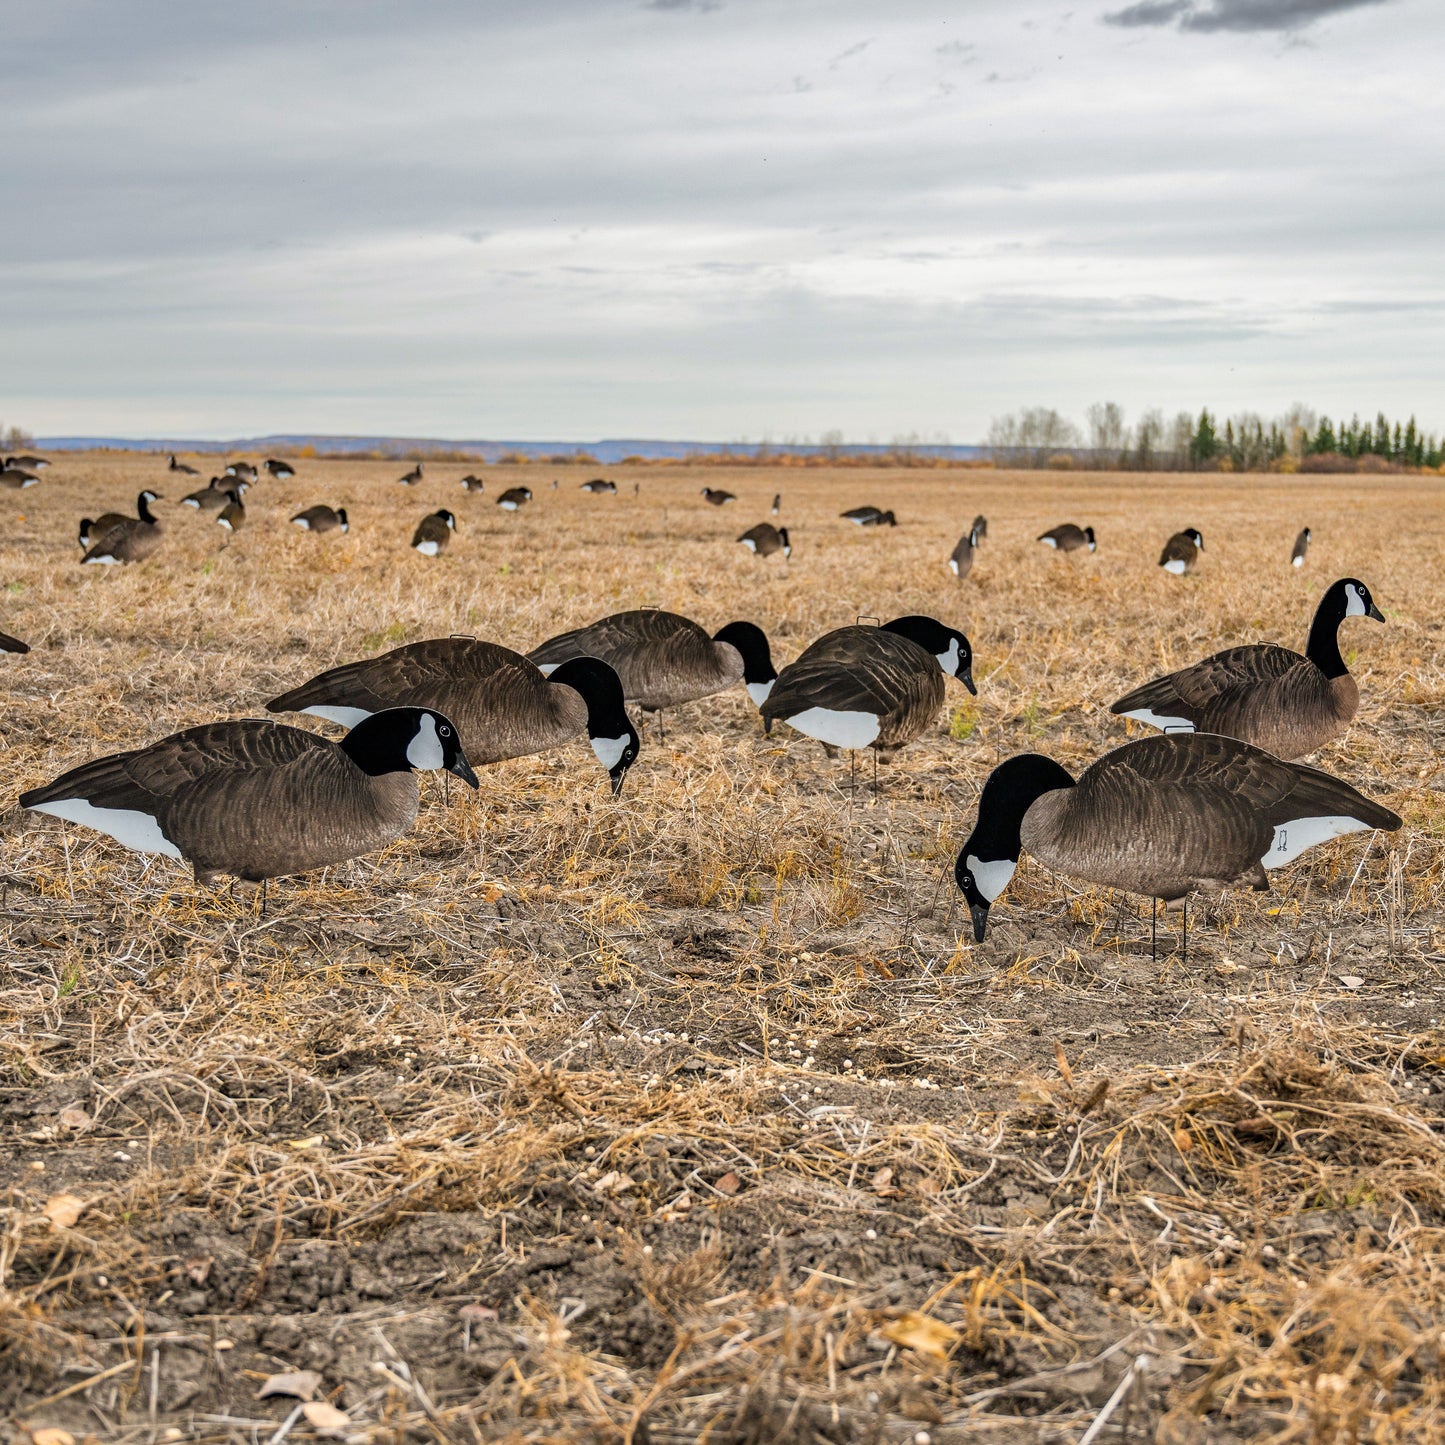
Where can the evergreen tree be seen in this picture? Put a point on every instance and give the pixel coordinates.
(1382, 435)
(1324, 438)
(1411, 451)
(1204, 445)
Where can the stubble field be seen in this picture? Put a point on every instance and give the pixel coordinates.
(695, 1114)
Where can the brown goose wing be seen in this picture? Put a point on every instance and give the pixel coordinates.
(661, 658)
(1214, 685)
(961, 558)
(1179, 548)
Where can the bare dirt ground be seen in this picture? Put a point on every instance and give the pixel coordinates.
(695, 1114)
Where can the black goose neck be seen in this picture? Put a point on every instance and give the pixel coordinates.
(752, 643)
(377, 745)
(1323, 648)
(598, 685)
(143, 509)
(1011, 790)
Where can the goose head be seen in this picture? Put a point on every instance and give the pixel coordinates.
(614, 739)
(947, 644)
(751, 641)
(407, 739)
(1093, 545)
(1195, 536)
(1349, 597)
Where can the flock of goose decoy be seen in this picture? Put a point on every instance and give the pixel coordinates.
(1215, 798)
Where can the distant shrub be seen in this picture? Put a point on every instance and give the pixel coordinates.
(1060, 462)
(513, 459)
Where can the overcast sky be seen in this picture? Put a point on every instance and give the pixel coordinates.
(718, 219)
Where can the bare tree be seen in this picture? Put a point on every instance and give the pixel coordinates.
(1150, 434)
(1108, 436)
(1181, 433)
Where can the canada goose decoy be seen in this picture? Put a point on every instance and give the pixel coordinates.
(514, 497)
(411, 478)
(233, 515)
(1161, 817)
(870, 517)
(12, 644)
(131, 539)
(871, 687)
(1264, 694)
(215, 495)
(961, 558)
(1301, 549)
(17, 477)
(765, 539)
(502, 704)
(1181, 551)
(777, 503)
(979, 530)
(599, 486)
(282, 471)
(257, 799)
(664, 659)
(243, 471)
(93, 530)
(181, 467)
(433, 533)
(1069, 538)
(473, 484)
(322, 519)
(27, 463)
(715, 496)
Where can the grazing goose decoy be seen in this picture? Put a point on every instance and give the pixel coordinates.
(322, 519)
(215, 495)
(233, 515)
(979, 530)
(716, 497)
(1264, 694)
(433, 533)
(870, 517)
(12, 644)
(16, 477)
(599, 485)
(871, 687)
(27, 463)
(93, 529)
(473, 484)
(1181, 551)
(1301, 549)
(765, 539)
(502, 705)
(1161, 817)
(664, 659)
(131, 539)
(777, 503)
(282, 471)
(181, 467)
(1069, 538)
(412, 477)
(514, 497)
(961, 558)
(256, 799)
(242, 471)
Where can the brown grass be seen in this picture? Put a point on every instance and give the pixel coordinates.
(695, 1115)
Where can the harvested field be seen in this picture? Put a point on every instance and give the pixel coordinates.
(695, 1114)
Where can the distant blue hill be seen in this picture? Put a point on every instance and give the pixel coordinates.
(611, 450)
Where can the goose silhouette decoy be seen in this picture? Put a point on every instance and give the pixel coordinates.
(181, 467)
(233, 515)
(599, 485)
(132, 539)
(871, 687)
(473, 484)
(717, 497)
(502, 704)
(411, 478)
(12, 644)
(1181, 551)
(243, 471)
(664, 659)
(1162, 817)
(961, 558)
(256, 799)
(1301, 549)
(1069, 538)
(514, 497)
(17, 478)
(282, 471)
(1264, 694)
(93, 529)
(322, 519)
(765, 539)
(433, 533)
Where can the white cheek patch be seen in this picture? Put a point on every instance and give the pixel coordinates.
(1355, 605)
(424, 751)
(427, 549)
(1293, 838)
(837, 729)
(948, 661)
(991, 878)
(136, 830)
(610, 750)
(1176, 567)
(348, 717)
(1164, 723)
(759, 691)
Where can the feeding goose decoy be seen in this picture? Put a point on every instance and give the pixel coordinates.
(1069, 538)
(503, 706)
(717, 497)
(93, 529)
(12, 644)
(433, 533)
(216, 494)
(1266, 695)
(870, 517)
(1181, 551)
(1162, 817)
(181, 467)
(765, 539)
(322, 519)
(777, 503)
(243, 471)
(599, 485)
(871, 687)
(514, 497)
(257, 799)
(233, 515)
(473, 484)
(282, 471)
(979, 530)
(1301, 549)
(15, 477)
(411, 478)
(961, 558)
(27, 463)
(130, 539)
(664, 659)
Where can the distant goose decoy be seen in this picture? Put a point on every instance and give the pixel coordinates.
(12, 644)
(233, 515)
(717, 497)
(242, 470)
(1301, 549)
(93, 530)
(503, 706)
(1181, 551)
(979, 530)
(181, 467)
(433, 533)
(1069, 538)
(599, 485)
(27, 463)
(777, 503)
(1161, 817)
(411, 478)
(765, 539)
(664, 659)
(216, 495)
(17, 478)
(1264, 694)
(870, 517)
(322, 519)
(961, 558)
(473, 484)
(514, 497)
(130, 539)
(871, 687)
(256, 799)
(282, 471)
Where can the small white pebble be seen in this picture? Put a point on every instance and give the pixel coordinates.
(847, 1063)
(589, 1151)
(121, 1155)
(647, 1249)
(870, 1234)
(922, 1437)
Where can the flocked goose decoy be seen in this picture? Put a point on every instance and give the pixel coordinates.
(131, 539)
(599, 486)
(514, 498)
(1181, 551)
(181, 467)
(411, 478)
(717, 497)
(27, 462)
(1069, 538)
(765, 539)
(1264, 694)
(502, 705)
(243, 471)
(256, 799)
(1301, 549)
(961, 558)
(321, 518)
(232, 517)
(216, 495)
(17, 478)
(433, 533)
(870, 517)
(282, 471)
(471, 483)
(92, 529)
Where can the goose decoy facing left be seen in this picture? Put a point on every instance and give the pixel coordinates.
(16, 477)
(717, 497)
(979, 530)
(322, 519)
(473, 484)
(1301, 549)
(765, 539)
(961, 558)
(182, 468)
(233, 515)
(870, 517)
(132, 539)
(1069, 538)
(433, 533)
(243, 471)
(27, 463)
(1161, 817)
(502, 705)
(599, 485)
(871, 687)
(92, 530)
(411, 478)
(12, 644)
(1263, 694)
(1181, 551)
(256, 799)
(282, 471)
(215, 495)
(514, 497)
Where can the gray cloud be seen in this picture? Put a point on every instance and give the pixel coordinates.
(1237, 15)
(700, 6)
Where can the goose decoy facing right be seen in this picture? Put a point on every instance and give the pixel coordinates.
(411, 478)
(514, 498)
(282, 471)
(322, 519)
(27, 463)
(961, 558)
(12, 644)
(502, 705)
(92, 530)
(1069, 538)
(979, 530)
(1181, 551)
(473, 484)
(599, 486)
(243, 471)
(1301, 549)
(1263, 694)
(16, 477)
(433, 533)
(233, 515)
(215, 495)
(717, 497)
(765, 539)
(256, 799)
(182, 468)
(1162, 817)
(132, 539)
